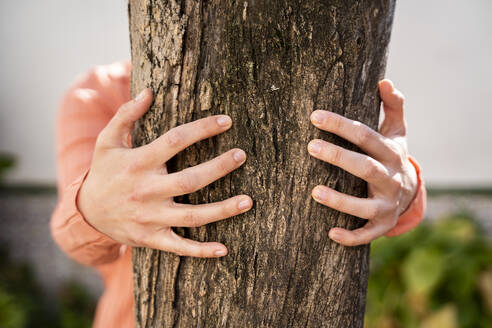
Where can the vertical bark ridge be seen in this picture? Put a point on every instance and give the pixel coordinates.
(267, 64)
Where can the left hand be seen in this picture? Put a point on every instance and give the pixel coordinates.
(391, 178)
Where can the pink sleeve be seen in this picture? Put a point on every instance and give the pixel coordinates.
(414, 214)
(84, 111)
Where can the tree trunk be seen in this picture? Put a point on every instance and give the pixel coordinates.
(267, 64)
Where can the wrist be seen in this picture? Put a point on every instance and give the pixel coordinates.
(411, 185)
(82, 199)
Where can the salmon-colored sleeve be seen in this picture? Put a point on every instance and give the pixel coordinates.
(414, 214)
(85, 109)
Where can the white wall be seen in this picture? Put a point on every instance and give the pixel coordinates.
(45, 44)
(439, 57)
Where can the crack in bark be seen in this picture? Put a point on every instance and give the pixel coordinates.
(176, 292)
(280, 255)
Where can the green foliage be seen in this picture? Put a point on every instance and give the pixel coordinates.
(24, 305)
(77, 307)
(7, 161)
(437, 275)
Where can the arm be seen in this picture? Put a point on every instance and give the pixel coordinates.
(84, 111)
(112, 194)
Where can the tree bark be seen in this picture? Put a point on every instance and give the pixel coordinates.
(267, 64)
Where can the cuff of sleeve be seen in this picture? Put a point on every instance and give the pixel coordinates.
(414, 214)
(82, 240)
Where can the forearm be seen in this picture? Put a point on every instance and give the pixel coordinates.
(75, 236)
(84, 111)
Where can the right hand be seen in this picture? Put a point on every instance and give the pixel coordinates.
(128, 194)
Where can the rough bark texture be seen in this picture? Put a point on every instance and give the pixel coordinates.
(267, 64)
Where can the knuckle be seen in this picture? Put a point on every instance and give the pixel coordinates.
(363, 134)
(187, 182)
(396, 182)
(372, 169)
(397, 158)
(359, 238)
(336, 154)
(338, 202)
(373, 212)
(123, 116)
(203, 252)
(137, 216)
(337, 122)
(225, 164)
(395, 153)
(351, 240)
(136, 164)
(179, 251)
(400, 98)
(139, 237)
(138, 195)
(124, 109)
(100, 141)
(191, 219)
(207, 125)
(174, 138)
(395, 205)
(227, 210)
(135, 196)
(404, 128)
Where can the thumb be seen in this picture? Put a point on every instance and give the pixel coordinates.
(393, 106)
(117, 132)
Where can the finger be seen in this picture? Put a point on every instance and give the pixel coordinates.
(116, 133)
(185, 215)
(360, 165)
(370, 231)
(194, 178)
(365, 208)
(170, 241)
(393, 106)
(175, 140)
(356, 132)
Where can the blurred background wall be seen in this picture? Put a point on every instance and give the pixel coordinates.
(439, 57)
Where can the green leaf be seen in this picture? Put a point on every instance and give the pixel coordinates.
(422, 270)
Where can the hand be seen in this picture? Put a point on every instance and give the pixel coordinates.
(392, 180)
(128, 194)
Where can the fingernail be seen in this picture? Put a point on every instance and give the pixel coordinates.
(320, 193)
(244, 204)
(317, 117)
(239, 156)
(220, 252)
(315, 147)
(336, 236)
(223, 120)
(140, 96)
